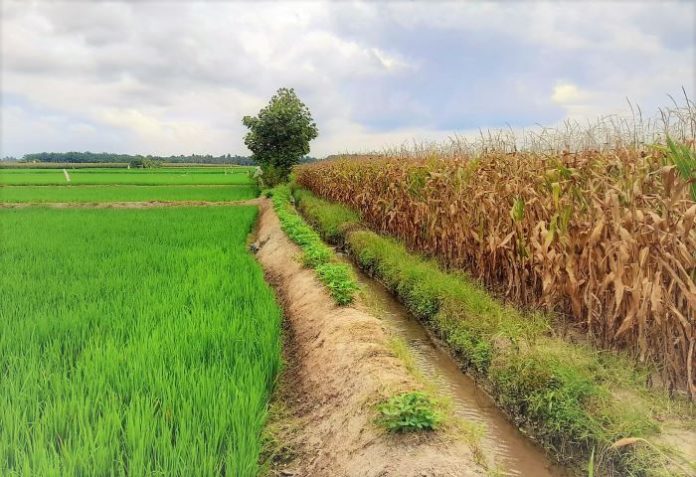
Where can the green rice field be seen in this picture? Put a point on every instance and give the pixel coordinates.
(133, 342)
(157, 176)
(126, 193)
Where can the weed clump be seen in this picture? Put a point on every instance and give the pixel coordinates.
(337, 277)
(332, 220)
(409, 412)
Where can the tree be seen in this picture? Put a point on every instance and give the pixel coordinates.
(145, 163)
(279, 136)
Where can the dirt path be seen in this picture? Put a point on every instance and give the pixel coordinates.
(340, 367)
(126, 205)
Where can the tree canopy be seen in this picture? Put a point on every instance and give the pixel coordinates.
(279, 136)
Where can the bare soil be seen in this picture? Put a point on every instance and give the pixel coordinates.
(339, 368)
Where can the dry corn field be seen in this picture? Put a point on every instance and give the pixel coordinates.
(608, 238)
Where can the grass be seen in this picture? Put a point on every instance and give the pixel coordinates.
(333, 220)
(61, 165)
(133, 342)
(570, 397)
(337, 277)
(101, 176)
(400, 349)
(125, 193)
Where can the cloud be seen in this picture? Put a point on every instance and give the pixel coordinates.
(567, 93)
(176, 77)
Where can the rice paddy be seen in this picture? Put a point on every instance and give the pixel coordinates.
(133, 342)
(156, 176)
(123, 193)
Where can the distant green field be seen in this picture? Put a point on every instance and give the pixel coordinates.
(133, 342)
(103, 165)
(125, 193)
(61, 165)
(98, 176)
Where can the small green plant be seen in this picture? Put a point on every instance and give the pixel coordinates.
(684, 159)
(339, 279)
(315, 255)
(409, 412)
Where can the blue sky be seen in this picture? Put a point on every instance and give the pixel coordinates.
(176, 78)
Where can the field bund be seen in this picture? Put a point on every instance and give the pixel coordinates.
(125, 193)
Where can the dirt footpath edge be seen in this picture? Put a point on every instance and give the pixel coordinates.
(340, 368)
(126, 205)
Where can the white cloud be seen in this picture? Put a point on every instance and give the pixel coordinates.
(568, 93)
(176, 77)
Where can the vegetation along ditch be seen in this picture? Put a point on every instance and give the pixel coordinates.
(581, 404)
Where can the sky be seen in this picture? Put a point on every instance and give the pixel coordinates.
(177, 77)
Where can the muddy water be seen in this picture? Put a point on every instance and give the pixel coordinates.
(512, 452)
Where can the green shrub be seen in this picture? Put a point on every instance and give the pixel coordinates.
(339, 279)
(331, 220)
(316, 254)
(145, 163)
(409, 412)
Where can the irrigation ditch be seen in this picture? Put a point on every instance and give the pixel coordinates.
(342, 361)
(505, 448)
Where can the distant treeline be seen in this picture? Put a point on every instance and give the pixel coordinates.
(105, 157)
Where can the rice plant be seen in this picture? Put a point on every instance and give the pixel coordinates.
(101, 176)
(126, 193)
(133, 342)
